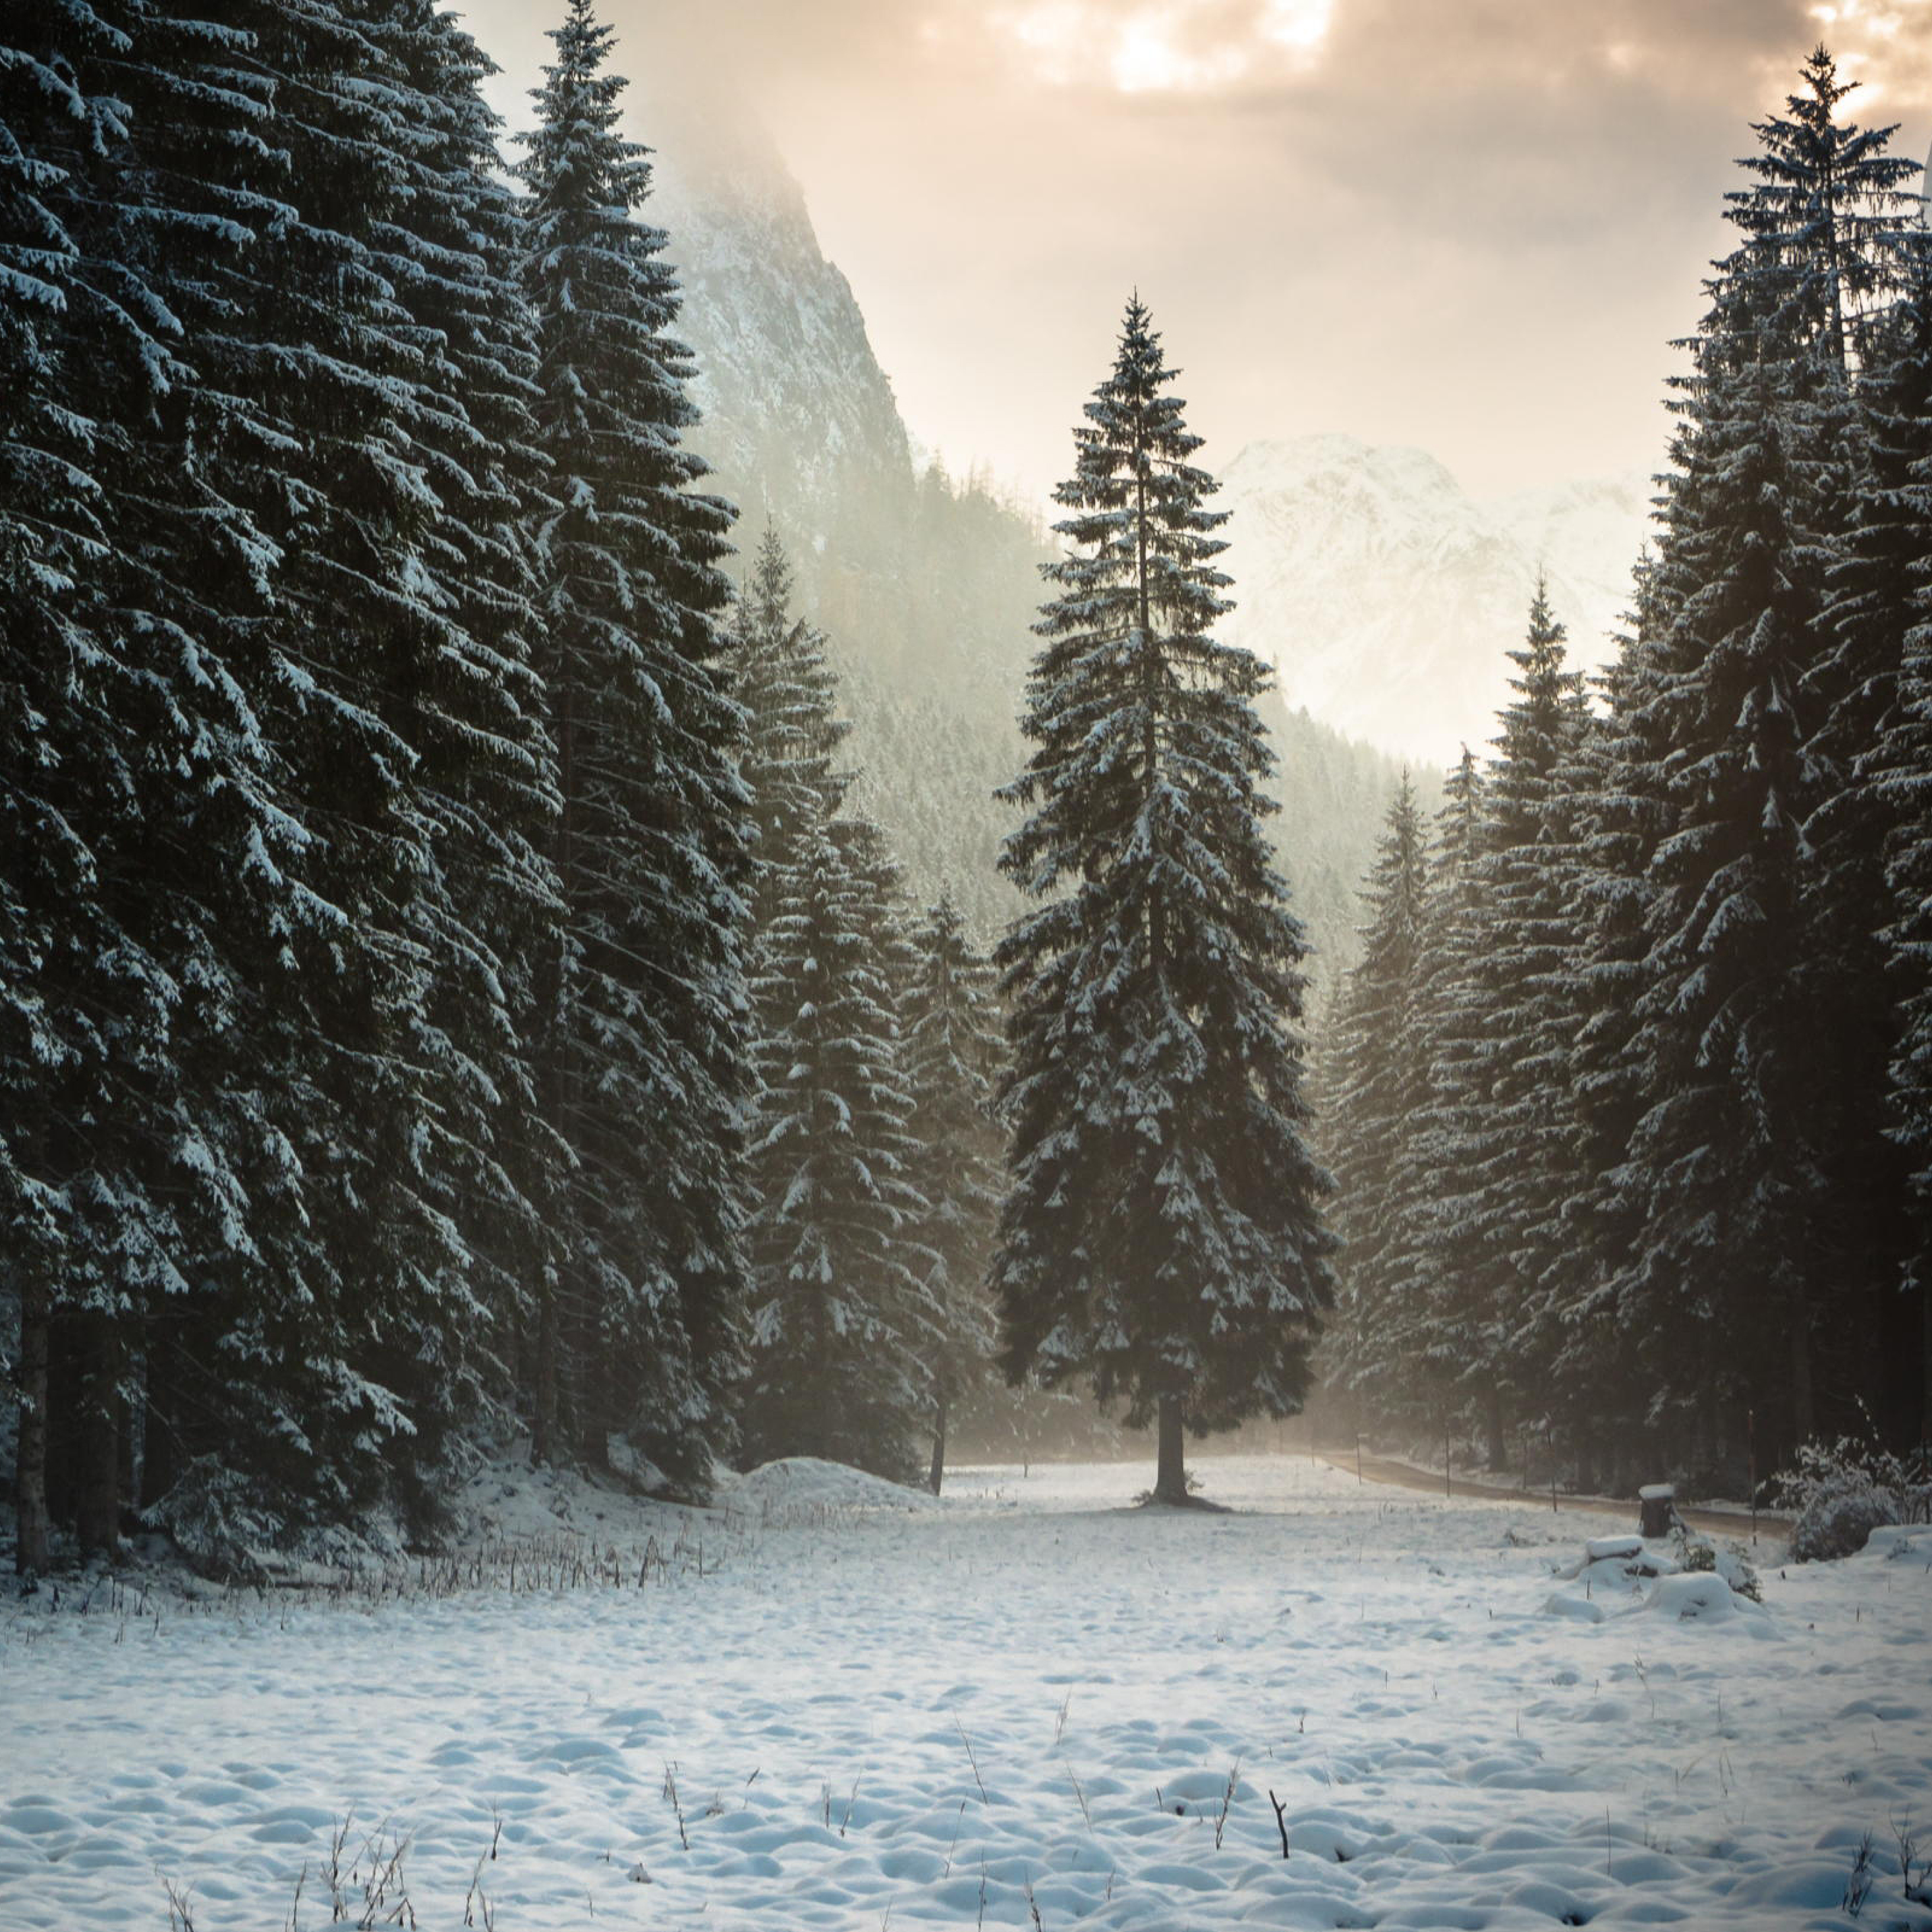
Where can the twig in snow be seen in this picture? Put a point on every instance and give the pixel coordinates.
(1227, 1799)
(974, 1763)
(1858, 1885)
(1919, 1890)
(181, 1914)
(670, 1794)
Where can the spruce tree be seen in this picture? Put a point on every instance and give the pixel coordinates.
(53, 722)
(171, 814)
(953, 1052)
(1512, 1167)
(1592, 1351)
(1379, 1084)
(781, 677)
(643, 1059)
(1738, 1254)
(471, 710)
(1162, 1235)
(843, 1326)
(1428, 1252)
(1882, 613)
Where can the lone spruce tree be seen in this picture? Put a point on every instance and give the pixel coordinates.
(1163, 1234)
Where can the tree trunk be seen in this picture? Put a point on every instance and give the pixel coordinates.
(1801, 1422)
(128, 1468)
(1925, 1363)
(1492, 1413)
(547, 1428)
(938, 1446)
(543, 1424)
(161, 1457)
(96, 1500)
(30, 1478)
(1170, 1477)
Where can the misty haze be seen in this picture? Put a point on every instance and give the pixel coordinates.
(965, 963)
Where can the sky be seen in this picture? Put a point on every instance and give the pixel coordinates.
(1475, 226)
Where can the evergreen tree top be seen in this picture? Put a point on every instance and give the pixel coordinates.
(1397, 883)
(1142, 530)
(1459, 822)
(1540, 725)
(585, 181)
(575, 144)
(1822, 225)
(768, 591)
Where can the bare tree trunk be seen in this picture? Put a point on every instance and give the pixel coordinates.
(938, 1445)
(1170, 1477)
(30, 1482)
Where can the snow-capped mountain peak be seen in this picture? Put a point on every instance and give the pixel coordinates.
(1388, 595)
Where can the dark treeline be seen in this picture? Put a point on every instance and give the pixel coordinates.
(402, 891)
(1631, 1087)
(451, 981)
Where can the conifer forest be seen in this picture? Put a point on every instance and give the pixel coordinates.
(510, 930)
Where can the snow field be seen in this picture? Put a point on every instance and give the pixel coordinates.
(1023, 1705)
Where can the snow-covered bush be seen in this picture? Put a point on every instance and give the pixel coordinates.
(218, 1520)
(1698, 1553)
(1841, 1492)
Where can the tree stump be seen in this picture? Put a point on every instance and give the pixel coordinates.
(1656, 1508)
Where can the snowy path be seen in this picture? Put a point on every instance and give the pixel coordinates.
(1722, 1522)
(1022, 1701)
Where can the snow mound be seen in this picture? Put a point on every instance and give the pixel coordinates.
(1623, 1576)
(1612, 1566)
(1892, 1541)
(1599, 1547)
(1699, 1596)
(509, 1498)
(1582, 1609)
(796, 1487)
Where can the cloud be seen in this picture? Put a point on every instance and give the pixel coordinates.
(1472, 224)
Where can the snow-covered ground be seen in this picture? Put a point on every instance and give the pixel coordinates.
(1026, 1705)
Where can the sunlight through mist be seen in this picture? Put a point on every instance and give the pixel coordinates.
(1188, 46)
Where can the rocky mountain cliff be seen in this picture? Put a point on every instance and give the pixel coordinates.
(800, 423)
(1388, 595)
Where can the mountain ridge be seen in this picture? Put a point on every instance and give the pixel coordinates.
(927, 587)
(1386, 596)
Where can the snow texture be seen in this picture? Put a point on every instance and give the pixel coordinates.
(864, 1707)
